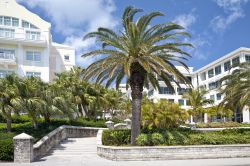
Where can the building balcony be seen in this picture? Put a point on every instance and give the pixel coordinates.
(7, 59)
(24, 38)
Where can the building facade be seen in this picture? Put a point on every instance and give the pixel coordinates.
(26, 45)
(207, 77)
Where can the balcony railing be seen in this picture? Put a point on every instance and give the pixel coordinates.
(21, 36)
(7, 58)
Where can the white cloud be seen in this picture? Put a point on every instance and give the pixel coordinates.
(233, 10)
(74, 18)
(185, 20)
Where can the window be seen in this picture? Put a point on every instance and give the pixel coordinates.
(151, 92)
(33, 74)
(218, 96)
(7, 54)
(187, 102)
(25, 24)
(247, 57)
(9, 33)
(203, 86)
(210, 73)
(3, 73)
(66, 57)
(33, 35)
(212, 97)
(214, 85)
(181, 91)
(33, 56)
(189, 78)
(203, 76)
(217, 70)
(33, 26)
(235, 61)
(227, 66)
(166, 90)
(171, 100)
(15, 22)
(181, 102)
(1, 20)
(7, 21)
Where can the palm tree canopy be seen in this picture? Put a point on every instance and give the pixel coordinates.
(236, 87)
(140, 47)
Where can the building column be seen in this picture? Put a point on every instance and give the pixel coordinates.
(205, 118)
(191, 119)
(245, 114)
(20, 56)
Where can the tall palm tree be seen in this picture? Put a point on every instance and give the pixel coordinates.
(197, 100)
(236, 88)
(139, 52)
(8, 97)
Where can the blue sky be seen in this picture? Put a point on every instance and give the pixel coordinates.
(217, 26)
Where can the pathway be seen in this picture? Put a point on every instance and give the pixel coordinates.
(82, 152)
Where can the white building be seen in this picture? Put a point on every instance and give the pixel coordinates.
(26, 45)
(207, 77)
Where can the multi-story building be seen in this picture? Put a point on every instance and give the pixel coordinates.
(26, 45)
(207, 77)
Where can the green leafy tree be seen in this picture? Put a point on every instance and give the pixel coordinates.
(8, 97)
(236, 88)
(197, 100)
(139, 52)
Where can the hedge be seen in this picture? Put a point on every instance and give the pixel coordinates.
(177, 137)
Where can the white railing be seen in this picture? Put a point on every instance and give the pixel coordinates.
(7, 56)
(22, 36)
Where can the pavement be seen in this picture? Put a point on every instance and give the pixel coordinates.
(82, 152)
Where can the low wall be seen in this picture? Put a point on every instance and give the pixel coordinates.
(42, 147)
(173, 152)
(170, 152)
(61, 133)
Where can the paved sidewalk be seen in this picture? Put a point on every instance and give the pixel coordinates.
(82, 152)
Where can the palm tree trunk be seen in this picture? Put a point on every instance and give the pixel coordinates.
(34, 123)
(136, 84)
(8, 121)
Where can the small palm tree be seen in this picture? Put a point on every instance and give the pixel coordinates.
(236, 88)
(8, 97)
(197, 100)
(139, 52)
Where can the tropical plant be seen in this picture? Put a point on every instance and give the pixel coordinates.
(8, 97)
(162, 114)
(197, 100)
(236, 88)
(139, 52)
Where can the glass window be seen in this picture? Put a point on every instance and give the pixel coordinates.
(212, 97)
(25, 24)
(171, 100)
(9, 33)
(181, 102)
(217, 70)
(181, 91)
(189, 78)
(227, 66)
(3, 73)
(7, 54)
(210, 73)
(15, 22)
(218, 96)
(214, 85)
(33, 26)
(7, 21)
(33, 56)
(33, 35)
(166, 90)
(33, 74)
(203, 76)
(66, 57)
(1, 20)
(247, 58)
(236, 61)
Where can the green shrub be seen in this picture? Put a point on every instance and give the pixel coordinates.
(6, 146)
(144, 140)
(116, 137)
(157, 139)
(218, 125)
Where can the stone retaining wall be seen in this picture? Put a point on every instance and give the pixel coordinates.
(173, 152)
(170, 152)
